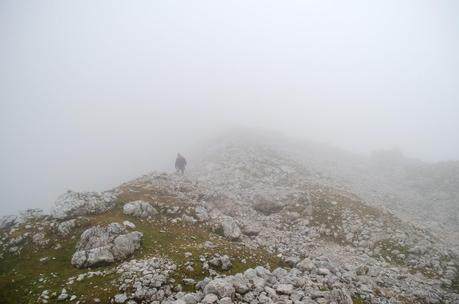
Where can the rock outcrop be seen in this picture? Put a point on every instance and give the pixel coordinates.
(66, 227)
(231, 229)
(72, 204)
(139, 209)
(103, 245)
(8, 221)
(248, 212)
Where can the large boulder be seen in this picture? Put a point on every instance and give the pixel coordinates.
(72, 204)
(139, 209)
(98, 256)
(31, 213)
(8, 221)
(102, 245)
(266, 205)
(251, 229)
(286, 289)
(202, 214)
(220, 287)
(231, 229)
(124, 245)
(222, 262)
(240, 283)
(66, 227)
(305, 265)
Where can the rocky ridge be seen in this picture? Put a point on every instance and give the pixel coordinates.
(246, 226)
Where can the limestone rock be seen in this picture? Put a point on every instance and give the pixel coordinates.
(120, 298)
(102, 245)
(220, 287)
(305, 265)
(231, 229)
(340, 297)
(266, 205)
(129, 224)
(251, 229)
(72, 204)
(201, 213)
(285, 289)
(39, 239)
(210, 298)
(66, 227)
(139, 209)
(8, 221)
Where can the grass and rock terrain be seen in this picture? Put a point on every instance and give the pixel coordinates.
(245, 226)
(37, 268)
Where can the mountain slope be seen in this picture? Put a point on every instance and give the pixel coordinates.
(247, 224)
(426, 193)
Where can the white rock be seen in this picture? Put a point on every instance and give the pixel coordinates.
(231, 229)
(190, 298)
(63, 296)
(305, 265)
(66, 227)
(210, 298)
(129, 224)
(102, 245)
(225, 300)
(323, 271)
(220, 287)
(285, 289)
(39, 239)
(139, 209)
(8, 221)
(120, 298)
(72, 204)
(225, 262)
(340, 296)
(202, 214)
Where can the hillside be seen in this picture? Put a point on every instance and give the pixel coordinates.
(422, 192)
(247, 224)
(425, 193)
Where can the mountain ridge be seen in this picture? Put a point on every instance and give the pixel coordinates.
(246, 224)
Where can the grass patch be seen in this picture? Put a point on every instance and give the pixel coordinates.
(455, 284)
(357, 299)
(24, 277)
(387, 247)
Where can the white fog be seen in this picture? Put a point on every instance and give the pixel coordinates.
(270, 102)
(93, 94)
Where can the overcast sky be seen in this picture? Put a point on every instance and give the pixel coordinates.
(93, 93)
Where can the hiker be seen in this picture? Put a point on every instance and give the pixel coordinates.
(180, 163)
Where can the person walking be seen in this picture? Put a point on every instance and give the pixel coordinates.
(180, 163)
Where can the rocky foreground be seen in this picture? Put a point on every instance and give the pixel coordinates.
(238, 229)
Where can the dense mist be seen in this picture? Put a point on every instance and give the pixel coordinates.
(96, 93)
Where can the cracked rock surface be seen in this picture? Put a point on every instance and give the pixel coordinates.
(103, 245)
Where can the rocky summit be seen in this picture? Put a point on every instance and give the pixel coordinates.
(248, 223)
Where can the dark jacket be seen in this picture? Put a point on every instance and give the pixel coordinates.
(180, 162)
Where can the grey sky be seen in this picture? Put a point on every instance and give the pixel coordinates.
(93, 93)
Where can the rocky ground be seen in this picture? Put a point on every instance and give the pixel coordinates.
(245, 225)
